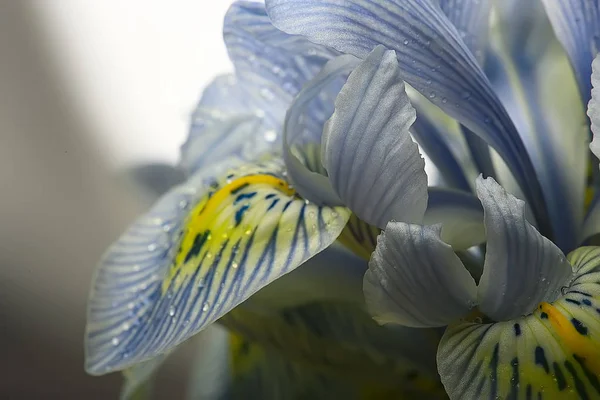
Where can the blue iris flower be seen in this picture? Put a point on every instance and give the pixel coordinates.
(307, 207)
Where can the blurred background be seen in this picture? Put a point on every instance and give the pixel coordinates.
(87, 89)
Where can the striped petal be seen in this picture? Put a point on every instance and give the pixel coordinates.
(311, 183)
(577, 26)
(370, 158)
(553, 353)
(415, 279)
(471, 20)
(205, 247)
(594, 107)
(433, 59)
(522, 268)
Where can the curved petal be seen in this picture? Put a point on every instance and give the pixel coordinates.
(415, 279)
(460, 215)
(551, 354)
(471, 20)
(433, 143)
(205, 247)
(312, 185)
(522, 268)
(577, 26)
(372, 162)
(433, 59)
(594, 107)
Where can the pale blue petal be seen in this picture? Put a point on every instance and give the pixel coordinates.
(312, 185)
(204, 248)
(243, 114)
(471, 19)
(577, 26)
(434, 144)
(372, 162)
(226, 123)
(594, 107)
(415, 279)
(541, 96)
(433, 59)
(522, 268)
(460, 215)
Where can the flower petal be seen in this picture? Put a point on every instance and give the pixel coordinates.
(551, 354)
(460, 215)
(415, 279)
(243, 114)
(205, 247)
(591, 225)
(312, 185)
(433, 59)
(223, 125)
(371, 160)
(433, 143)
(471, 20)
(522, 268)
(577, 26)
(594, 107)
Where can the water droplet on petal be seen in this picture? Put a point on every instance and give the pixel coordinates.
(172, 311)
(206, 306)
(406, 41)
(115, 341)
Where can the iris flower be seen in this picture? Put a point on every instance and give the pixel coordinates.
(303, 164)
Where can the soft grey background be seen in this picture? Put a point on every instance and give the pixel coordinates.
(65, 105)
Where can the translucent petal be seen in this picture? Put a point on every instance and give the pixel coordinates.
(553, 353)
(415, 279)
(522, 268)
(138, 379)
(577, 26)
(433, 59)
(371, 160)
(205, 247)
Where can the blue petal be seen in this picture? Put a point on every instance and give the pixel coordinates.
(433, 59)
(370, 158)
(541, 96)
(415, 279)
(577, 26)
(243, 114)
(471, 19)
(205, 247)
(522, 268)
(433, 143)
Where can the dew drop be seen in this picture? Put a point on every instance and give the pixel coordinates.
(432, 95)
(152, 247)
(406, 42)
(267, 94)
(172, 311)
(206, 306)
(234, 265)
(115, 341)
(444, 100)
(270, 136)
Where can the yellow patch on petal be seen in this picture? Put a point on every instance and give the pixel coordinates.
(554, 353)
